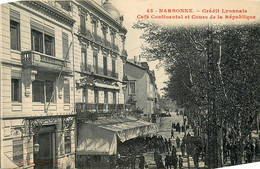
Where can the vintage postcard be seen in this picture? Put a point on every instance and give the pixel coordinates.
(116, 84)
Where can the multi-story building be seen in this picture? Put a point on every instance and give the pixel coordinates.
(99, 55)
(62, 79)
(141, 92)
(37, 104)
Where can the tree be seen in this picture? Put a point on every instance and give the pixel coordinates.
(184, 51)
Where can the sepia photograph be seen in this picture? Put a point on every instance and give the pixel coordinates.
(129, 84)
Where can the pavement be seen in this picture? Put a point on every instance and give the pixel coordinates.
(165, 126)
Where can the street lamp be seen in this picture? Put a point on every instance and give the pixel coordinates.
(36, 147)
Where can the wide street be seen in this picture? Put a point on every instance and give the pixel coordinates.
(165, 131)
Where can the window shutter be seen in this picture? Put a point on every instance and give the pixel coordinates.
(36, 26)
(14, 15)
(65, 45)
(66, 91)
(49, 31)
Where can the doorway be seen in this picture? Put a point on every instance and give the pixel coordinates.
(45, 158)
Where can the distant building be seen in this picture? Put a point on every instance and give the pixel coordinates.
(62, 80)
(141, 92)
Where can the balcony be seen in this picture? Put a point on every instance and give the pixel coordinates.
(97, 39)
(115, 48)
(124, 53)
(45, 62)
(99, 108)
(86, 68)
(106, 43)
(133, 98)
(85, 32)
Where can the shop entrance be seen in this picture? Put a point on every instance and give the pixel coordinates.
(45, 157)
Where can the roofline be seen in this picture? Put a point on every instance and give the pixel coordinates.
(141, 67)
(106, 15)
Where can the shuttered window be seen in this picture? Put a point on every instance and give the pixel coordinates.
(105, 65)
(65, 45)
(15, 30)
(66, 91)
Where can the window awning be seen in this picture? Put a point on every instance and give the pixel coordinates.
(100, 138)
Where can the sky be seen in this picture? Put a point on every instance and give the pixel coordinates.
(129, 9)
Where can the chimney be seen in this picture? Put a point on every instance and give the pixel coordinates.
(135, 59)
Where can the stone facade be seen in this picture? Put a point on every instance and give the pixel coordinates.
(49, 49)
(141, 92)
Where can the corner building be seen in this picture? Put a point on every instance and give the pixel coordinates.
(37, 103)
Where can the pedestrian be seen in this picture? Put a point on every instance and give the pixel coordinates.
(178, 142)
(133, 161)
(173, 125)
(170, 144)
(160, 163)
(174, 160)
(182, 148)
(177, 127)
(173, 150)
(172, 133)
(182, 128)
(155, 156)
(168, 161)
(141, 161)
(180, 162)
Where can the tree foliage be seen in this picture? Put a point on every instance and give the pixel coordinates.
(184, 52)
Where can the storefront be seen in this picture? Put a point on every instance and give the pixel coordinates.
(98, 141)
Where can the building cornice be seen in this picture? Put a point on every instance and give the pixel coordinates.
(52, 11)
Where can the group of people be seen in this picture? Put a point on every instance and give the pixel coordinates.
(231, 149)
(171, 159)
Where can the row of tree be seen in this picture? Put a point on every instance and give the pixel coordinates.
(214, 74)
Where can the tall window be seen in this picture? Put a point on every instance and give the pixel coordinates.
(132, 88)
(96, 96)
(104, 31)
(37, 41)
(113, 38)
(43, 43)
(42, 91)
(95, 61)
(18, 152)
(114, 97)
(105, 97)
(65, 45)
(15, 90)
(66, 91)
(15, 35)
(84, 57)
(105, 65)
(15, 43)
(82, 21)
(113, 67)
(85, 95)
(94, 27)
(67, 141)
(49, 45)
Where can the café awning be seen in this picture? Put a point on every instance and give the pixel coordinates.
(100, 138)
